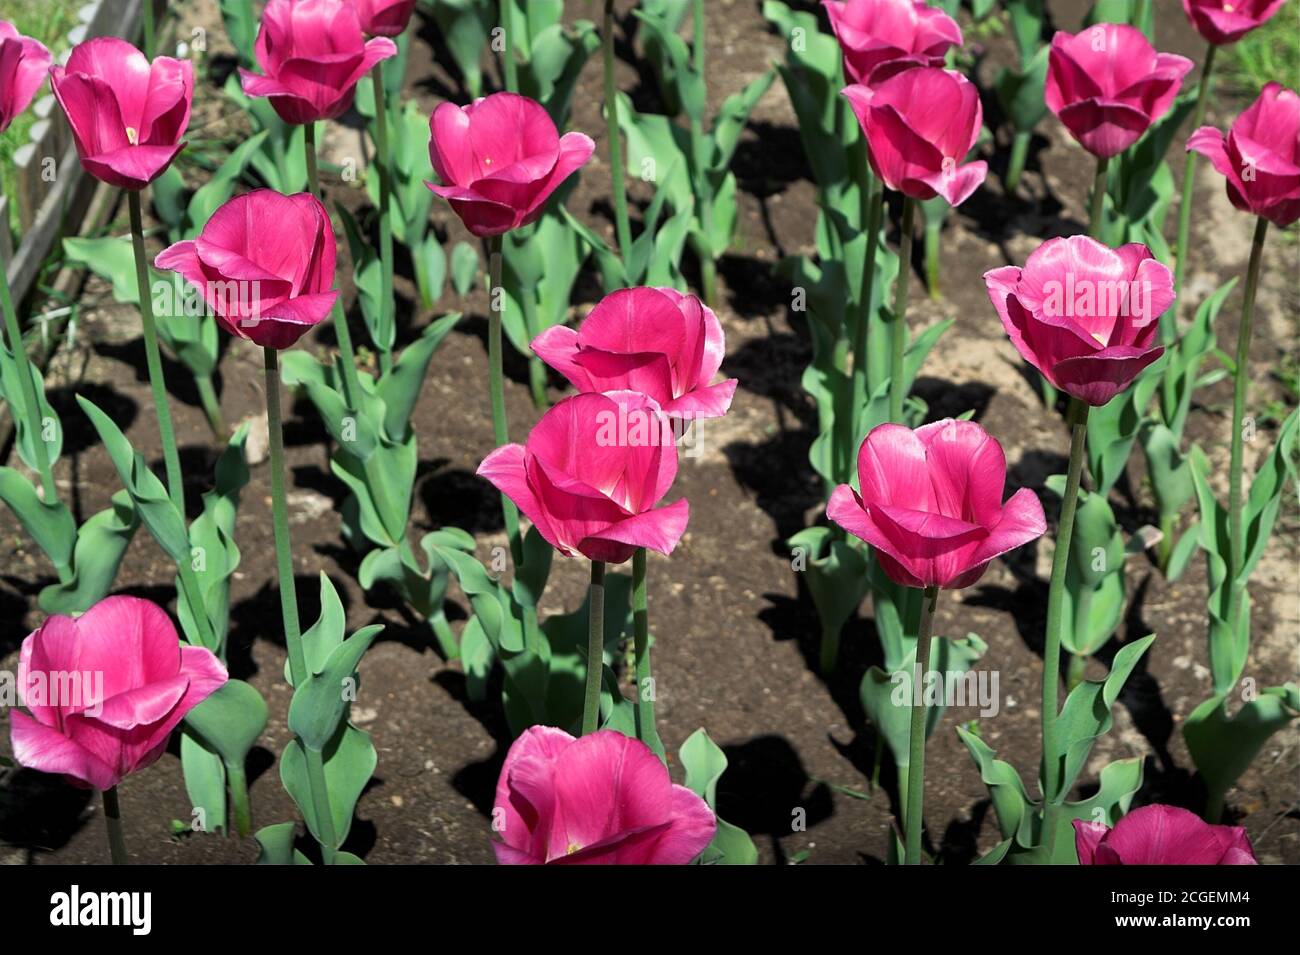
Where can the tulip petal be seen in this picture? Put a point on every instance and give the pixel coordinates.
(1022, 521)
(131, 640)
(1096, 379)
(38, 747)
(710, 402)
(658, 529)
(891, 468)
(505, 468)
(1087, 836)
(1163, 835)
(132, 168)
(143, 704)
(606, 784)
(558, 348)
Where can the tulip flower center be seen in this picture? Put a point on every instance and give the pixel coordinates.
(573, 847)
(132, 136)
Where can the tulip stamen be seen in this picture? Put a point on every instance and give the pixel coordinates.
(132, 136)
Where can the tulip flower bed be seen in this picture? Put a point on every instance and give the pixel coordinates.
(343, 510)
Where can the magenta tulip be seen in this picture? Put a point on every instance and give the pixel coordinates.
(1083, 314)
(1162, 835)
(264, 264)
(1107, 85)
(883, 37)
(653, 340)
(591, 473)
(1227, 21)
(600, 799)
(24, 63)
(127, 115)
(931, 504)
(105, 691)
(384, 17)
(920, 124)
(313, 53)
(499, 159)
(1260, 155)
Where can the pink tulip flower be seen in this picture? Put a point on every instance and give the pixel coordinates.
(601, 799)
(499, 159)
(1107, 84)
(24, 63)
(105, 691)
(1162, 835)
(313, 53)
(591, 473)
(931, 503)
(127, 115)
(653, 340)
(920, 124)
(1084, 314)
(264, 264)
(1260, 155)
(883, 37)
(384, 17)
(1227, 21)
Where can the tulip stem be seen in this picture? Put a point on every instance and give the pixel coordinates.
(506, 17)
(171, 460)
(1168, 323)
(862, 332)
(27, 379)
(1236, 467)
(347, 358)
(383, 163)
(913, 819)
(1052, 796)
(612, 133)
(113, 822)
(239, 807)
(933, 233)
(898, 352)
(149, 29)
(1016, 164)
(644, 708)
(496, 385)
(1095, 219)
(289, 597)
(595, 648)
(211, 405)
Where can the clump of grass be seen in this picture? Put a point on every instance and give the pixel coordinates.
(48, 21)
(1270, 53)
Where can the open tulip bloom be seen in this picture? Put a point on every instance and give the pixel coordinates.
(24, 64)
(1227, 21)
(127, 115)
(930, 503)
(591, 474)
(1083, 314)
(499, 160)
(264, 264)
(1259, 157)
(384, 17)
(136, 684)
(312, 54)
(657, 341)
(1107, 85)
(1162, 835)
(601, 799)
(920, 124)
(883, 37)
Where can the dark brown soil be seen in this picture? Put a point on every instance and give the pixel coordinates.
(736, 646)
